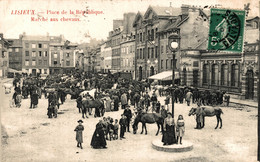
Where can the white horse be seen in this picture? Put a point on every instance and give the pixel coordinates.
(91, 93)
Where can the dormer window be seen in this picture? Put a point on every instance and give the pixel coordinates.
(255, 25)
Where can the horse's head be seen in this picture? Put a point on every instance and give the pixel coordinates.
(135, 124)
(192, 111)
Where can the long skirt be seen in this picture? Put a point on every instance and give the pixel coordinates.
(79, 137)
(98, 139)
(180, 132)
(169, 135)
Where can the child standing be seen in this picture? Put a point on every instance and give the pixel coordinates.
(18, 100)
(180, 128)
(79, 129)
(116, 126)
(111, 128)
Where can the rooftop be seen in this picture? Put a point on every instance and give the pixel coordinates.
(36, 38)
(166, 11)
(15, 42)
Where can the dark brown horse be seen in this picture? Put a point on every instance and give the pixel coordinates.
(149, 118)
(209, 112)
(98, 104)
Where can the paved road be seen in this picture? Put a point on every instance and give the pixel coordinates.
(34, 137)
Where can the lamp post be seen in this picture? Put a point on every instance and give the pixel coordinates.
(258, 94)
(173, 43)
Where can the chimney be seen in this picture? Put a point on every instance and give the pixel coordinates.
(62, 37)
(20, 36)
(185, 10)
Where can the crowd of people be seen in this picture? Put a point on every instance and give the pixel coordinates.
(114, 92)
(106, 129)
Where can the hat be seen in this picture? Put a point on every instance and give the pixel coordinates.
(169, 113)
(80, 121)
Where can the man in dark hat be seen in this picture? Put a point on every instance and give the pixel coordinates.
(122, 123)
(136, 99)
(147, 101)
(158, 107)
(199, 117)
(128, 114)
(154, 101)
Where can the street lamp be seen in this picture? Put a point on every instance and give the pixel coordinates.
(173, 43)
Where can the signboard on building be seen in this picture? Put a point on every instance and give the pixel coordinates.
(226, 30)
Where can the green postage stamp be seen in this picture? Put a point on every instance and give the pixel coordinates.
(226, 30)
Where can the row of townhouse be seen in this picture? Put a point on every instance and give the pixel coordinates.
(194, 65)
(40, 54)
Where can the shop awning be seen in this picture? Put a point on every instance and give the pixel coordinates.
(115, 71)
(14, 71)
(166, 75)
(25, 71)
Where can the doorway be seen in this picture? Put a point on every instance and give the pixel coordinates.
(152, 71)
(249, 84)
(140, 73)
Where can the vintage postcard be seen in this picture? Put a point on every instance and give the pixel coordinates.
(129, 80)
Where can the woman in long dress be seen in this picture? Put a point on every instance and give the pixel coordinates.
(98, 139)
(169, 130)
(116, 102)
(108, 104)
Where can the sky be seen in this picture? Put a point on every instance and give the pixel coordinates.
(96, 26)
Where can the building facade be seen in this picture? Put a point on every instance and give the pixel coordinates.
(4, 59)
(35, 54)
(115, 47)
(128, 54)
(56, 61)
(193, 27)
(102, 53)
(15, 54)
(107, 56)
(98, 59)
(152, 52)
(47, 54)
(69, 57)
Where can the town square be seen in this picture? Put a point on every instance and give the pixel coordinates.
(139, 81)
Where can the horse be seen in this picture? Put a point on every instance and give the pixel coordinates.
(149, 118)
(209, 112)
(91, 93)
(98, 104)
